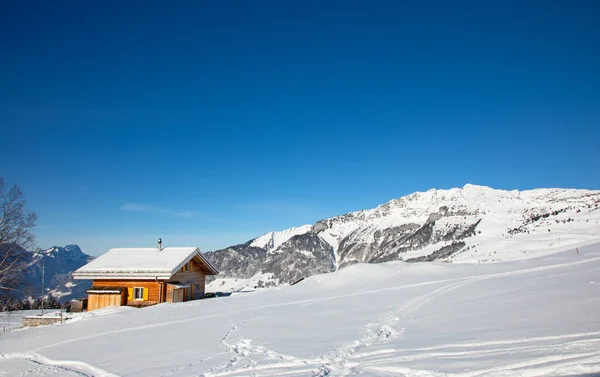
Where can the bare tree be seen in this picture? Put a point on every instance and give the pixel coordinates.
(16, 235)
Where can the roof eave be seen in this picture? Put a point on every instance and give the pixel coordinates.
(210, 266)
(198, 253)
(121, 275)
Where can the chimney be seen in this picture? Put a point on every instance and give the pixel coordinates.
(160, 244)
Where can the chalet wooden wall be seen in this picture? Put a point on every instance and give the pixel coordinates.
(201, 287)
(99, 301)
(152, 286)
(168, 293)
(188, 277)
(196, 279)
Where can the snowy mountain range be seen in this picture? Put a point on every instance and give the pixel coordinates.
(59, 264)
(474, 224)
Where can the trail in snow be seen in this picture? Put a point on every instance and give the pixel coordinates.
(347, 359)
(386, 345)
(72, 366)
(340, 361)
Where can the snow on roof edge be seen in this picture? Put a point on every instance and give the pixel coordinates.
(108, 264)
(208, 264)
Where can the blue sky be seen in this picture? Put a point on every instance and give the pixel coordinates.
(210, 123)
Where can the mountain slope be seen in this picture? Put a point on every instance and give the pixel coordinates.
(272, 240)
(469, 224)
(59, 264)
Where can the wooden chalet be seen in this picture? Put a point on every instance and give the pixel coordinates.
(146, 276)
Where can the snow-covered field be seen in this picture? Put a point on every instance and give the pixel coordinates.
(13, 320)
(537, 317)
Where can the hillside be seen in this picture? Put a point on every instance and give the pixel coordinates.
(538, 317)
(474, 224)
(59, 264)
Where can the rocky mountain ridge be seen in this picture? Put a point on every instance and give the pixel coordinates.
(59, 264)
(469, 224)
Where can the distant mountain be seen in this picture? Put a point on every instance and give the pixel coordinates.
(59, 264)
(469, 224)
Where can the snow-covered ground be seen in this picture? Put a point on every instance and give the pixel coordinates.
(13, 320)
(537, 317)
(238, 284)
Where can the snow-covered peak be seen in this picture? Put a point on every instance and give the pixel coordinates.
(69, 252)
(469, 200)
(465, 224)
(472, 187)
(470, 197)
(273, 240)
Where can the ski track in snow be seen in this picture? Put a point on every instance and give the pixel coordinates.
(248, 358)
(75, 367)
(348, 360)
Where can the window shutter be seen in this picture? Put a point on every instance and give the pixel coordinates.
(145, 290)
(129, 294)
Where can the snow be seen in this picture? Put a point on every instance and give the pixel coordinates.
(536, 317)
(13, 320)
(10, 321)
(502, 221)
(273, 240)
(333, 242)
(305, 253)
(142, 262)
(238, 284)
(63, 291)
(499, 210)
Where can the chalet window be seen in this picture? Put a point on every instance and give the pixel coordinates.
(186, 267)
(138, 293)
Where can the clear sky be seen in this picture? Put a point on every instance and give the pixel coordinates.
(208, 123)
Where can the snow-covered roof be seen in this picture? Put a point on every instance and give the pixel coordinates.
(141, 263)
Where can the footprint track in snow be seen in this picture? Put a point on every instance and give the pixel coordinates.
(379, 332)
(342, 361)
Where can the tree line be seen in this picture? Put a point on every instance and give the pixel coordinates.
(50, 302)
